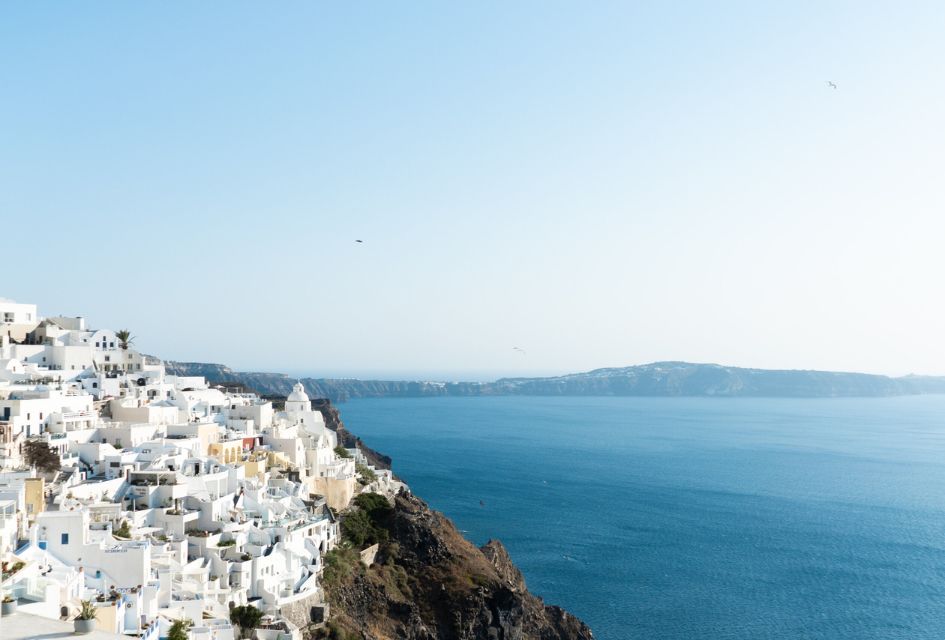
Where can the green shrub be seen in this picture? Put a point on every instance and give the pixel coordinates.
(123, 531)
(367, 524)
(340, 633)
(367, 476)
(179, 629)
(10, 569)
(395, 578)
(341, 452)
(375, 505)
(340, 563)
(358, 529)
(334, 630)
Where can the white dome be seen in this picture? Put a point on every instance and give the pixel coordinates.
(298, 394)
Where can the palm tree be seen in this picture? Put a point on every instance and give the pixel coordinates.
(125, 339)
(247, 618)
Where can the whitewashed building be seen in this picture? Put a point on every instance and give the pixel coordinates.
(173, 499)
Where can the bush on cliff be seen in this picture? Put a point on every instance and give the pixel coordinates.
(358, 529)
(366, 524)
(366, 476)
(340, 563)
(336, 631)
(376, 506)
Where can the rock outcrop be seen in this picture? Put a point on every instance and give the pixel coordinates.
(430, 583)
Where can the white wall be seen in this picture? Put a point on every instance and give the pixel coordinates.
(16, 320)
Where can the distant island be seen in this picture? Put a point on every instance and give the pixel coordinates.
(661, 379)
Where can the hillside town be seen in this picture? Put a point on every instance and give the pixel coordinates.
(135, 502)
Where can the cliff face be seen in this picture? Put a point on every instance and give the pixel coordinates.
(338, 390)
(430, 583)
(657, 379)
(687, 379)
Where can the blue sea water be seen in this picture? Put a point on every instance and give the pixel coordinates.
(684, 518)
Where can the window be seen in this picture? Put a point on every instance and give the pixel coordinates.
(95, 385)
(107, 358)
(111, 344)
(65, 538)
(97, 344)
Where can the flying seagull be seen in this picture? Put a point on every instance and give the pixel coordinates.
(522, 351)
(359, 241)
(831, 84)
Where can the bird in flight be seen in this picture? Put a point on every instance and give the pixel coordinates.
(831, 84)
(522, 351)
(360, 241)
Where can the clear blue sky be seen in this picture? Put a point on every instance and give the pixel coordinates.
(599, 184)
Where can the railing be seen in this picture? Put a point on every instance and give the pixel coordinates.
(32, 588)
(77, 415)
(151, 632)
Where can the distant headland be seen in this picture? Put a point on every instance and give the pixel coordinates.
(661, 379)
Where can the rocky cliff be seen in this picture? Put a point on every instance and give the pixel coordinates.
(430, 583)
(335, 389)
(656, 379)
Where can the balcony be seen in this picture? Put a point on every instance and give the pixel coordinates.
(157, 479)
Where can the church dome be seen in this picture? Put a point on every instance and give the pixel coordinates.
(298, 400)
(298, 394)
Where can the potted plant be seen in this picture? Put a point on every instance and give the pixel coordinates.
(85, 621)
(8, 607)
